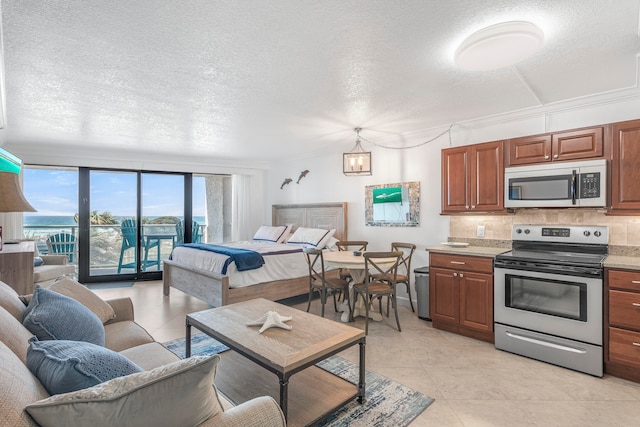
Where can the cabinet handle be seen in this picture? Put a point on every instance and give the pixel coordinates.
(546, 157)
(458, 262)
(473, 206)
(636, 282)
(461, 275)
(637, 344)
(466, 206)
(555, 156)
(455, 274)
(635, 304)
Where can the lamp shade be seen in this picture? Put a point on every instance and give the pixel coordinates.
(11, 197)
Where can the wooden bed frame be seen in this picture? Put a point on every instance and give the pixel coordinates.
(213, 288)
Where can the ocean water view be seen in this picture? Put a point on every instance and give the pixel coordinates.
(42, 220)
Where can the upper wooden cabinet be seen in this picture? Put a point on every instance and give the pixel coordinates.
(572, 145)
(473, 178)
(625, 170)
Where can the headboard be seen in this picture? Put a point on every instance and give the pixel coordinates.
(313, 215)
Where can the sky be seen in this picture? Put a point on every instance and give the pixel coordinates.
(55, 192)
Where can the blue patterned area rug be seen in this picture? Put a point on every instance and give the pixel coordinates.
(388, 402)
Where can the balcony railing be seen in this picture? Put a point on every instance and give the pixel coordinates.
(106, 243)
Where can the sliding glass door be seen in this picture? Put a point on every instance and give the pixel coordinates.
(123, 224)
(112, 203)
(162, 206)
(132, 220)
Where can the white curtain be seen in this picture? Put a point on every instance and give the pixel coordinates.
(11, 223)
(241, 226)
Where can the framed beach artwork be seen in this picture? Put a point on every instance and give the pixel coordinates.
(393, 205)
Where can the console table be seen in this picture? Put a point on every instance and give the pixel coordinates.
(16, 266)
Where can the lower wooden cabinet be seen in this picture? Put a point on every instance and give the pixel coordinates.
(461, 294)
(624, 347)
(622, 324)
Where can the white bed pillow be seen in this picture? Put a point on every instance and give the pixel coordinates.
(332, 244)
(270, 233)
(317, 237)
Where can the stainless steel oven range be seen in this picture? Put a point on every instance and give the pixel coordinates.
(548, 295)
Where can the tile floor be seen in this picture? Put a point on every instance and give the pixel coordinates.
(473, 383)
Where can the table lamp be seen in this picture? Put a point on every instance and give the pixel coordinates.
(11, 197)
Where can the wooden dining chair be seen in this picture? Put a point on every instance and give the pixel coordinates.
(379, 282)
(319, 282)
(350, 245)
(404, 267)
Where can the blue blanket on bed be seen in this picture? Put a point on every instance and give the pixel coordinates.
(244, 258)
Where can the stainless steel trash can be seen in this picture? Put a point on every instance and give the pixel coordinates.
(422, 291)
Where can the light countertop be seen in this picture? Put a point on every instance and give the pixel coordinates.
(469, 250)
(619, 261)
(612, 261)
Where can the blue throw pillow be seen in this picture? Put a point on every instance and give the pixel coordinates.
(63, 366)
(53, 316)
(37, 261)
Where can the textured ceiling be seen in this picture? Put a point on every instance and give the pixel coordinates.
(262, 79)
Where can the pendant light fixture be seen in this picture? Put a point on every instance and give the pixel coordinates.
(357, 161)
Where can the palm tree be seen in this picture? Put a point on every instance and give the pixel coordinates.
(96, 218)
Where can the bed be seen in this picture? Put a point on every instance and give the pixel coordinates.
(216, 289)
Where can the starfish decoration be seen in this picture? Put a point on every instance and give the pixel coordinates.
(271, 319)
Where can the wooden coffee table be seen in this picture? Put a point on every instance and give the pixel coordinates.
(305, 398)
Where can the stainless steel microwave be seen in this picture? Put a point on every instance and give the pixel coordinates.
(563, 184)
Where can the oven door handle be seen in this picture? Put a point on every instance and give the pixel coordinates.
(573, 187)
(545, 343)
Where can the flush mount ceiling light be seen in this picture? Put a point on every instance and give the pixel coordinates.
(357, 161)
(499, 46)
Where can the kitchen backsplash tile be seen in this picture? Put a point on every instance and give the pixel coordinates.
(624, 231)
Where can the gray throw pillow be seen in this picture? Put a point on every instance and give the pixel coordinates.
(64, 366)
(53, 316)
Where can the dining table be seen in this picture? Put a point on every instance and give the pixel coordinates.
(355, 262)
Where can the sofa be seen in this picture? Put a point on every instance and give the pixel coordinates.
(167, 388)
(53, 266)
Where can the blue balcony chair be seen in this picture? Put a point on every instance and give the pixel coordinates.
(129, 234)
(196, 234)
(63, 244)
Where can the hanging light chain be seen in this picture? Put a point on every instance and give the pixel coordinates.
(448, 130)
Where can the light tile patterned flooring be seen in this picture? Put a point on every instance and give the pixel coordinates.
(473, 383)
